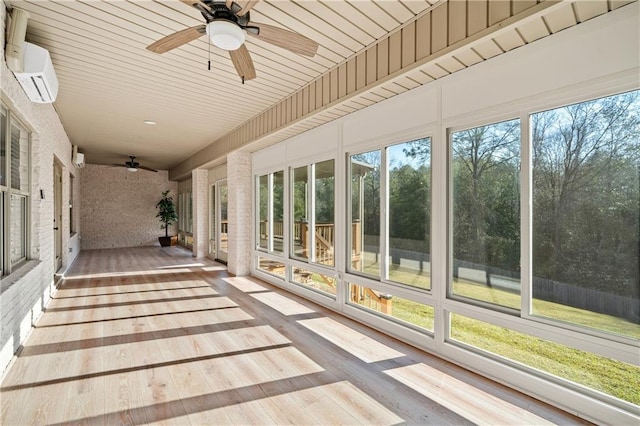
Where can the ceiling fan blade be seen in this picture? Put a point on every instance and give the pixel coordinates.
(246, 5)
(177, 39)
(293, 42)
(148, 168)
(197, 4)
(118, 165)
(243, 63)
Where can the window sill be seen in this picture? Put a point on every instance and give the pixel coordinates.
(23, 270)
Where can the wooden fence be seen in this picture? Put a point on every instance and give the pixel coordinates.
(565, 294)
(585, 298)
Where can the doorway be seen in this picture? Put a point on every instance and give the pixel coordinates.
(57, 215)
(212, 222)
(222, 220)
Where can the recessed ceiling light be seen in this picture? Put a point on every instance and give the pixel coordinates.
(149, 122)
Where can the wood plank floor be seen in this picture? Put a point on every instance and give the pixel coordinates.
(150, 335)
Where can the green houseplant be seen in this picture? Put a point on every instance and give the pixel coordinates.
(167, 215)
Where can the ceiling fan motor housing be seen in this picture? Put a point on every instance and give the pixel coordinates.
(133, 164)
(218, 10)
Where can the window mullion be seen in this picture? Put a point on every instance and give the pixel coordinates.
(526, 203)
(383, 243)
(270, 190)
(311, 202)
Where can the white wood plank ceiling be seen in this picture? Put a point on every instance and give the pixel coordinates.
(110, 84)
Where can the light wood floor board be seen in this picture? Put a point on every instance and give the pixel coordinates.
(154, 336)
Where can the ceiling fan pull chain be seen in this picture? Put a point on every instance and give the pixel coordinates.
(243, 79)
(209, 52)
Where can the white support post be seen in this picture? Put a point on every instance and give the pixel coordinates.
(200, 187)
(240, 213)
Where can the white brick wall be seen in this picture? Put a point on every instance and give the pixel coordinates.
(28, 289)
(239, 211)
(119, 207)
(199, 179)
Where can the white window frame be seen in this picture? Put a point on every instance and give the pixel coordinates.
(449, 284)
(6, 192)
(616, 347)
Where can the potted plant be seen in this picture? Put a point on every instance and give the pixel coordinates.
(167, 215)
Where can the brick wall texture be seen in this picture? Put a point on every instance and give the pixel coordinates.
(119, 207)
(27, 290)
(239, 211)
(200, 193)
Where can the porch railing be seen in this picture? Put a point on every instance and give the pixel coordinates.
(324, 238)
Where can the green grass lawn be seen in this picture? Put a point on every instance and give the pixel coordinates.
(546, 309)
(606, 375)
(600, 373)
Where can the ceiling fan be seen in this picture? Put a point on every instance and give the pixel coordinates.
(226, 24)
(133, 165)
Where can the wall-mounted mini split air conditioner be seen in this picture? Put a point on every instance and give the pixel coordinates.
(30, 64)
(38, 80)
(77, 158)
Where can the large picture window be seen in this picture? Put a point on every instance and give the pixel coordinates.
(313, 213)
(536, 241)
(312, 229)
(409, 206)
(583, 231)
(485, 174)
(390, 229)
(212, 221)
(270, 207)
(365, 217)
(14, 192)
(324, 210)
(185, 219)
(586, 214)
(264, 225)
(300, 200)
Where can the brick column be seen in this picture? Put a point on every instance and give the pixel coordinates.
(199, 193)
(239, 212)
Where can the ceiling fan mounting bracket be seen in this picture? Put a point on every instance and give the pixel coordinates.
(133, 166)
(133, 163)
(218, 10)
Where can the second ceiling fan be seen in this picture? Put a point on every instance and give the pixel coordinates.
(226, 24)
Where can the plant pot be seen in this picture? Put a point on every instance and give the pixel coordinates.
(168, 241)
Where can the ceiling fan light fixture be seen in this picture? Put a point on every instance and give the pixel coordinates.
(225, 34)
(132, 169)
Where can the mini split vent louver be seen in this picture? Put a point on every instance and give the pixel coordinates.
(38, 80)
(30, 64)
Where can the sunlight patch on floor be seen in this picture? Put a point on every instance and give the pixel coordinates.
(52, 331)
(244, 284)
(357, 344)
(180, 265)
(214, 268)
(467, 400)
(282, 304)
(126, 273)
(185, 386)
(144, 293)
(335, 403)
